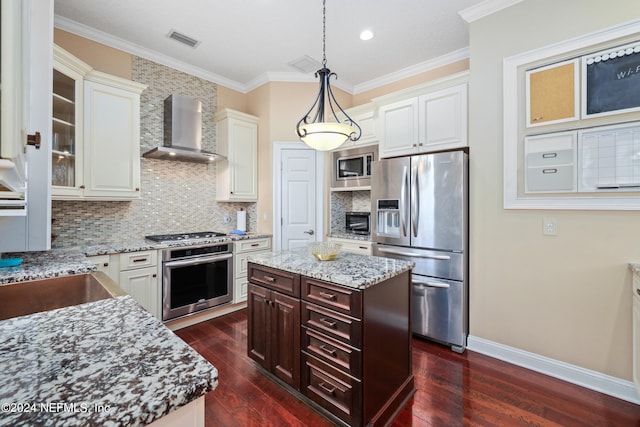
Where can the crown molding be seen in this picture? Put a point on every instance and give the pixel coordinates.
(134, 49)
(485, 8)
(413, 70)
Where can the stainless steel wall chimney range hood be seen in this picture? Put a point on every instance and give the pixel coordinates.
(182, 132)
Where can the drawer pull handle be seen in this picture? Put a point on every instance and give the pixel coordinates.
(327, 295)
(329, 323)
(328, 388)
(140, 260)
(363, 247)
(253, 245)
(549, 155)
(328, 350)
(269, 279)
(546, 171)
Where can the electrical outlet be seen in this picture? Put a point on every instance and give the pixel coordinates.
(549, 226)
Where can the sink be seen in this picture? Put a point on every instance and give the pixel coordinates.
(34, 296)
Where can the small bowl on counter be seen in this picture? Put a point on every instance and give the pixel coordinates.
(324, 251)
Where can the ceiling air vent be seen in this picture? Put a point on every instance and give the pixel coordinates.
(306, 64)
(191, 42)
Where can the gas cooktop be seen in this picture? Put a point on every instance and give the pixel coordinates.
(184, 236)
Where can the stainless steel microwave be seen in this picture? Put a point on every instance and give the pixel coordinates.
(352, 167)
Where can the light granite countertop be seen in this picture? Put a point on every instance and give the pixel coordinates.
(107, 363)
(350, 236)
(68, 261)
(348, 269)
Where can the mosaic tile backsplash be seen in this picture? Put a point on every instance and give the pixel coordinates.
(347, 201)
(175, 196)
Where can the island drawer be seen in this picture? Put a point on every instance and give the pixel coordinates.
(333, 352)
(344, 300)
(335, 391)
(277, 280)
(335, 325)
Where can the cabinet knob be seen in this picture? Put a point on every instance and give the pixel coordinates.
(154, 275)
(137, 189)
(82, 187)
(106, 264)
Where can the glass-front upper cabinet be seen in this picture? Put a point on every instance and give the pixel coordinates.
(66, 153)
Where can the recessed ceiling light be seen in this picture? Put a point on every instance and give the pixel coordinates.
(366, 35)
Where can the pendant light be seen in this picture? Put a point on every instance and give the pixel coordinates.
(312, 128)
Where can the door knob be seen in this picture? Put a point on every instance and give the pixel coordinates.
(309, 232)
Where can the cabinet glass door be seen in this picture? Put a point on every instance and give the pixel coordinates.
(64, 131)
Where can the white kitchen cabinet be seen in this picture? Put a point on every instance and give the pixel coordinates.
(237, 175)
(25, 213)
(362, 247)
(399, 128)
(12, 159)
(242, 249)
(426, 119)
(111, 137)
(443, 119)
(142, 285)
(105, 264)
(137, 274)
(96, 132)
(366, 117)
(139, 278)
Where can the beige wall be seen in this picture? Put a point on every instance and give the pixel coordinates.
(100, 57)
(258, 105)
(436, 73)
(568, 296)
(229, 98)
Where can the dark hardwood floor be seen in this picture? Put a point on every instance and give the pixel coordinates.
(452, 389)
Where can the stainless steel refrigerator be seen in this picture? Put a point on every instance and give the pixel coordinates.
(419, 208)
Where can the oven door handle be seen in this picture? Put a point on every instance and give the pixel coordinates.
(197, 260)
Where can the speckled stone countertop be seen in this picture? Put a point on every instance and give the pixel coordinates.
(107, 363)
(350, 236)
(67, 261)
(46, 264)
(349, 270)
(145, 245)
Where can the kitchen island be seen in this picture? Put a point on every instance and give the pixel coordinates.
(102, 363)
(337, 334)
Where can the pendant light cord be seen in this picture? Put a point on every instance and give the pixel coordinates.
(324, 33)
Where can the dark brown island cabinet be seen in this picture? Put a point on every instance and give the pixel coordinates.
(345, 351)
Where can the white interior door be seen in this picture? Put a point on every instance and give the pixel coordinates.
(298, 197)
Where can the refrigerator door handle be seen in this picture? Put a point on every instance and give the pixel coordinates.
(430, 284)
(415, 201)
(403, 202)
(414, 254)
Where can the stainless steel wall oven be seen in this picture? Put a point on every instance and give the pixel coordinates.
(196, 278)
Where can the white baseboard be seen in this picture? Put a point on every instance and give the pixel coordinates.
(593, 380)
